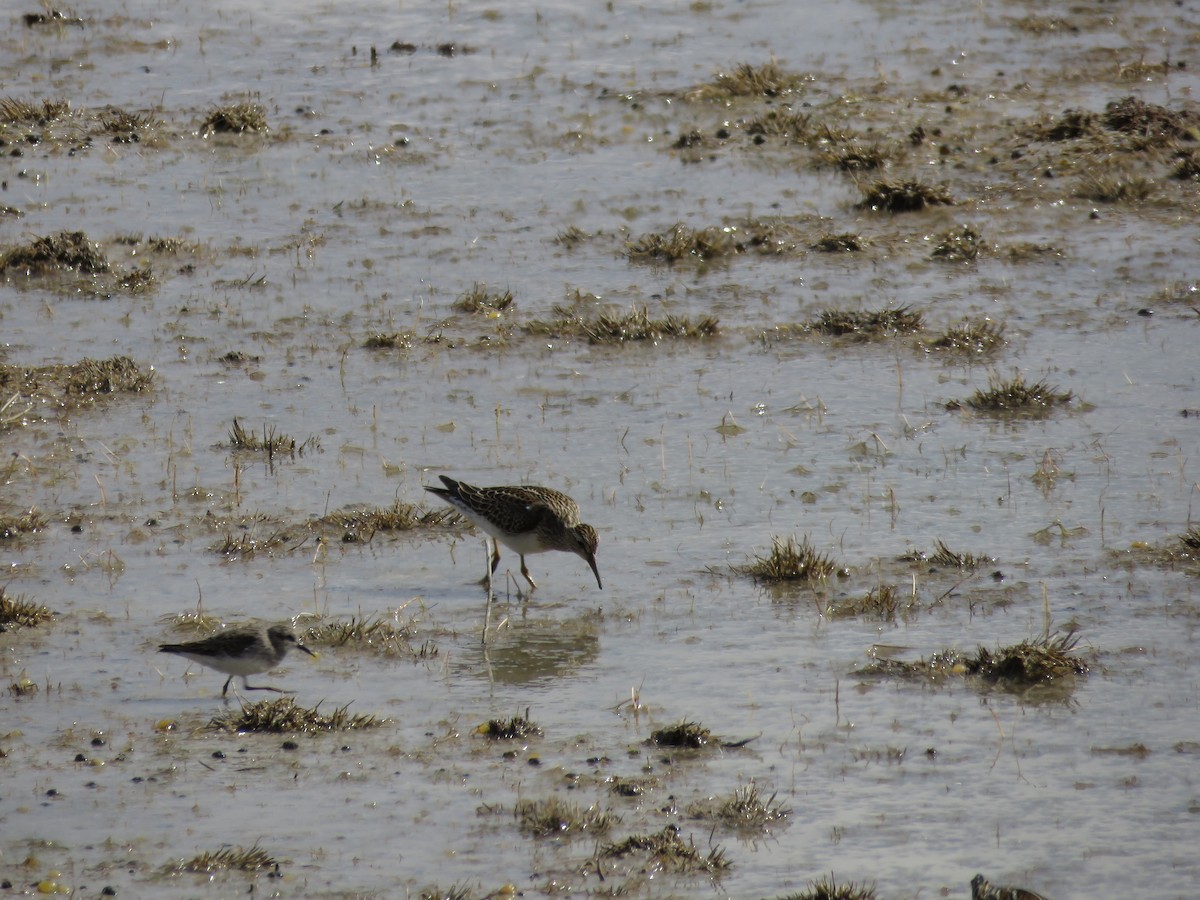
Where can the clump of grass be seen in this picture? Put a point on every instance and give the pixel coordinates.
(236, 118)
(25, 522)
(454, 892)
(779, 123)
(1114, 184)
(848, 242)
(1135, 117)
(944, 556)
(21, 612)
(1014, 396)
(249, 544)
(790, 560)
(553, 817)
(571, 237)
(748, 80)
(1188, 166)
(904, 196)
(270, 442)
(66, 387)
(938, 667)
(691, 735)
(393, 340)
(713, 243)
(479, 300)
(91, 377)
(238, 859)
(1045, 658)
(868, 323)
(850, 156)
(745, 811)
(137, 281)
(518, 727)
(380, 634)
(284, 716)
(829, 889)
(881, 603)
(682, 242)
(24, 112)
(959, 245)
(979, 337)
(613, 327)
(360, 523)
(127, 127)
(62, 250)
(667, 852)
(1071, 125)
(1191, 539)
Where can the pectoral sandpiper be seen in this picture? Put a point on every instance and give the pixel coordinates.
(525, 518)
(239, 652)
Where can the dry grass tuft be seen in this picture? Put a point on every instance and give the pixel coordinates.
(904, 196)
(66, 387)
(959, 245)
(613, 327)
(478, 300)
(556, 818)
(667, 852)
(969, 337)
(228, 859)
(23, 112)
(21, 612)
(1014, 397)
(839, 243)
(1191, 538)
(944, 556)
(270, 443)
(745, 811)
(53, 252)
(518, 727)
(1114, 184)
(237, 118)
(691, 735)
(284, 716)
(829, 889)
(705, 245)
(26, 522)
(381, 634)
(1045, 658)
(250, 543)
(880, 603)
(790, 561)
(359, 524)
(748, 80)
(871, 324)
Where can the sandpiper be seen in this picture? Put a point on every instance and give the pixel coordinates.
(242, 651)
(982, 890)
(524, 518)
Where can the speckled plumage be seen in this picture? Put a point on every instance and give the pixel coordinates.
(238, 652)
(981, 889)
(525, 518)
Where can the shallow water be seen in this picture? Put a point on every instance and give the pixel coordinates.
(327, 230)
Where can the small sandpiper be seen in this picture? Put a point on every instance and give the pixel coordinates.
(239, 652)
(524, 518)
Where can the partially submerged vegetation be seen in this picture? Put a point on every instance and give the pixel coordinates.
(360, 523)
(967, 337)
(284, 715)
(854, 324)
(27, 521)
(691, 735)
(516, 728)
(41, 390)
(270, 442)
(61, 250)
(553, 817)
(21, 612)
(666, 851)
(617, 327)
(240, 859)
(479, 300)
(748, 80)
(1050, 657)
(790, 560)
(880, 603)
(746, 810)
(904, 196)
(827, 888)
(1014, 396)
(705, 245)
(234, 118)
(383, 635)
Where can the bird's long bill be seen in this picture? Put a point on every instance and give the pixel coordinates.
(306, 650)
(592, 562)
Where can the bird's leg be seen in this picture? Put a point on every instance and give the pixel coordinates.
(525, 572)
(225, 690)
